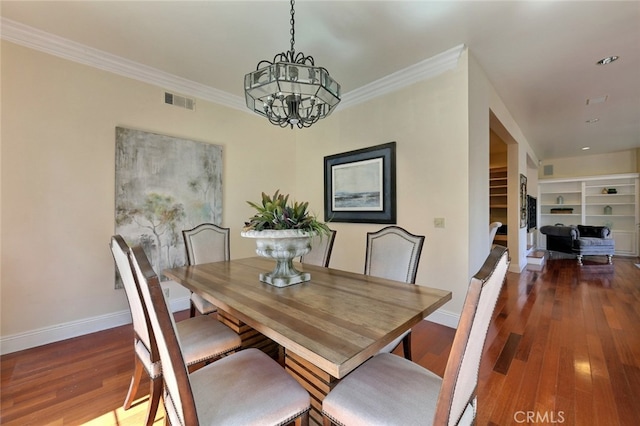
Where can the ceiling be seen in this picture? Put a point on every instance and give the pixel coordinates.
(539, 55)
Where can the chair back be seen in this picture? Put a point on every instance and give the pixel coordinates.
(206, 243)
(120, 251)
(493, 229)
(178, 398)
(321, 247)
(458, 392)
(393, 253)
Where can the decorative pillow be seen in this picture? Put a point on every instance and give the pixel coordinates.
(590, 231)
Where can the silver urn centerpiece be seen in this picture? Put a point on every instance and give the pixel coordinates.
(283, 246)
(283, 232)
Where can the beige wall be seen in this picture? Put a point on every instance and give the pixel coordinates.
(592, 165)
(478, 135)
(58, 129)
(520, 158)
(58, 139)
(428, 123)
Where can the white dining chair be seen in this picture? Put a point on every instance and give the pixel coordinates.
(245, 388)
(202, 338)
(390, 390)
(205, 243)
(394, 253)
(321, 248)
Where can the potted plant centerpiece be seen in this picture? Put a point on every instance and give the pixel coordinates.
(283, 231)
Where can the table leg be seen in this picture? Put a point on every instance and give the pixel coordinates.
(250, 338)
(316, 381)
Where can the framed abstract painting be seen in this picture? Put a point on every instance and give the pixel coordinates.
(163, 185)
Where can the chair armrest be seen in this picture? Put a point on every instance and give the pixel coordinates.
(575, 233)
(556, 231)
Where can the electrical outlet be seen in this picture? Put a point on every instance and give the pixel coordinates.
(438, 222)
(165, 290)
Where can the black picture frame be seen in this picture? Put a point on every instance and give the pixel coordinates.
(360, 185)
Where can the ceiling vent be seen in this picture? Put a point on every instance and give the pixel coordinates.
(180, 101)
(598, 100)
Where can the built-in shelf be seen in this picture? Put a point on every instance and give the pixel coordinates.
(593, 204)
(498, 199)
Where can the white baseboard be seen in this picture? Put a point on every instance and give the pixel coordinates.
(445, 318)
(55, 333)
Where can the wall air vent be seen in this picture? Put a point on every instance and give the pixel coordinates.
(548, 170)
(179, 101)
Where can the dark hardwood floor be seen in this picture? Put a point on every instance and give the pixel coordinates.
(563, 348)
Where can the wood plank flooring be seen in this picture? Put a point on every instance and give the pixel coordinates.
(563, 348)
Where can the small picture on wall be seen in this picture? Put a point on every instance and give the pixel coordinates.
(523, 201)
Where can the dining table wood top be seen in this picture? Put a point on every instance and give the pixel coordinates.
(336, 321)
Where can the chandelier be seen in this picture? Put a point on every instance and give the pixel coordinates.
(291, 90)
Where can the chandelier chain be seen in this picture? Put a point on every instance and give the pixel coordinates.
(292, 21)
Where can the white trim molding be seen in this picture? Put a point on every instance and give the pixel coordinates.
(423, 70)
(55, 333)
(446, 318)
(36, 39)
(42, 41)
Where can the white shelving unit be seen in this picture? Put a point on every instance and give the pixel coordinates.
(498, 199)
(588, 201)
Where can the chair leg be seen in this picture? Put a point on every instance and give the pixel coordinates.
(610, 259)
(406, 346)
(155, 392)
(135, 382)
(192, 309)
(580, 259)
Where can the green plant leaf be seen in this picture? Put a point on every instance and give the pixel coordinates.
(276, 213)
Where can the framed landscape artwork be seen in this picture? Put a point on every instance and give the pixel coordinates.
(360, 185)
(163, 186)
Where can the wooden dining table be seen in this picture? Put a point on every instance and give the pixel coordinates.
(326, 327)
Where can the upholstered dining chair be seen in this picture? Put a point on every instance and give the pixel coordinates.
(202, 338)
(205, 243)
(388, 389)
(394, 253)
(245, 388)
(321, 247)
(493, 229)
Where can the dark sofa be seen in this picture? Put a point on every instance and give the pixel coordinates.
(580, 240)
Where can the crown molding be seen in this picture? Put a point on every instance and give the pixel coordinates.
(423, 70)
(36, 39)
(33, 38)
